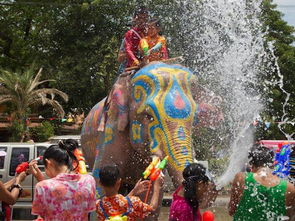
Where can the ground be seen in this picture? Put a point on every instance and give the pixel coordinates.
(220, 210)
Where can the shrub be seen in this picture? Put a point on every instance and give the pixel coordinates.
(43, 132)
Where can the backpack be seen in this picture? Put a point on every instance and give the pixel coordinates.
(122, 217)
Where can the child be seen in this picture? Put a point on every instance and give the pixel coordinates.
(66, 195)
(153, 46)
(114, 204)
(196, 192)
(133, 37)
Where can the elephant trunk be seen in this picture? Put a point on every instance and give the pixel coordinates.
(179, 150)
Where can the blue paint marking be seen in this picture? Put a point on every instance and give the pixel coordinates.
(176, 94)
(184, 151)
(181, 134)
(152, 133)
(138, 132)
(187, 163)
(96, 173)
(122, 109)
(146, 88)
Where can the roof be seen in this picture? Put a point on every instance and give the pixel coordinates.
(275, 143)
(63, 137)
(56, 139)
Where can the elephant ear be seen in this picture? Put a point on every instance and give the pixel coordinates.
(116, 106)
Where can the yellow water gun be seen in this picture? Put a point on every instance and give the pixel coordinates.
(144, 46)
(150, 169)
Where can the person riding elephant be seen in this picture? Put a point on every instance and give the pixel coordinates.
(149, 113)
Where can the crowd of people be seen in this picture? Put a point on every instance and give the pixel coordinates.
(69, 195)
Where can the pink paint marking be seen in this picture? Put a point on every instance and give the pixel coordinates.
(178, 102)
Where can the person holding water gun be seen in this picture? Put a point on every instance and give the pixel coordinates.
(133, 37)
(116, 207)
(153, 46)
(153, 171)
(66, 195)
(10, 192)
(79, 165)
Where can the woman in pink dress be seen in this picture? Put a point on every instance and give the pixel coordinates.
(66, 195)
(196, 192)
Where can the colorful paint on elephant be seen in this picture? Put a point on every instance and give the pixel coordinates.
(136, 132)
(163, 91)
(109, 134)
(91, 122)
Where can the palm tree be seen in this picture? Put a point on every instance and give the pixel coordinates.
(22, 91)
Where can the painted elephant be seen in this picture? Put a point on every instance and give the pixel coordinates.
(152, 112)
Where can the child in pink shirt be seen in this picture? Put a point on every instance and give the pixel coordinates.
(195, 192)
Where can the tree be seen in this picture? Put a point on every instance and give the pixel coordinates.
(24, 91)
(281, 35)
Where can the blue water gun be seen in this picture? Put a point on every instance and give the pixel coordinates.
(282, 160)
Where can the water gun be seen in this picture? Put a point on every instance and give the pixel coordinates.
(25, 165)
(282, 161)
(144, 46)
(81, 168)
(157, 47)
(156, 173)
(151, 167)
(155, 168)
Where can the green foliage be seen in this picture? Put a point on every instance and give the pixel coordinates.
(17, 130)
(22, 91)
(281, 35)
(76, 42)
(43, 132)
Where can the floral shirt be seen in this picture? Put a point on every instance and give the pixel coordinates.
(65, 197)
(118, 204)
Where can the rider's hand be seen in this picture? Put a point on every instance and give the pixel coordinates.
(135, 62)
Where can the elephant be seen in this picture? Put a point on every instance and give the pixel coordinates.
(150, 112)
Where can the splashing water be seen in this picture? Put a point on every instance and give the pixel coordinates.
(224, 42)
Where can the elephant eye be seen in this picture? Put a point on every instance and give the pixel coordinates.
(149, 117)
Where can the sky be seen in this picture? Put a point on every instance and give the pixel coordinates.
(288, 8)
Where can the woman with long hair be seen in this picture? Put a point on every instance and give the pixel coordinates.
(196, 191)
